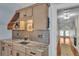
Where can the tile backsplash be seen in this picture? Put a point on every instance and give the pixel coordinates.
(39, 35)
(16, 34)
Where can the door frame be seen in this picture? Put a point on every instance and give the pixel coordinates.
(53, 27)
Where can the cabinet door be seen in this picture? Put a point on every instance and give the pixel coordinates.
(9, 50)
(27, 12)
(40, 17)
(18, 53)
(4, 49)
(31, 52)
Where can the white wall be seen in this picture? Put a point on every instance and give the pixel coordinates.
(53, 29)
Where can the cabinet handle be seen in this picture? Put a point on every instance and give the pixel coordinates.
(11, 52)
(25, 15)
(9, 45)
(33, 53)
(48, 23)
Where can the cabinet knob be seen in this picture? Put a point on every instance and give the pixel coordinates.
(33, 53)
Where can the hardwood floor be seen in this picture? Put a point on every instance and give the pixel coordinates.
(66, 48)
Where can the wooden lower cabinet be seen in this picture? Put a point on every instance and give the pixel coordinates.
(9, 50)
(45, 53)
(6, 49)
(18, 53)
(18, 50)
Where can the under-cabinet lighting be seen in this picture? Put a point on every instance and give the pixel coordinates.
(30, 25)
(22, 25)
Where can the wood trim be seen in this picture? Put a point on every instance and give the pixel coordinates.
(74, 50)
(58, 48)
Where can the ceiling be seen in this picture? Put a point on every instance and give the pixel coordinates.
(69, 23)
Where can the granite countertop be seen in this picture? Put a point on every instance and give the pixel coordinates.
(32, 44)
(6, 40)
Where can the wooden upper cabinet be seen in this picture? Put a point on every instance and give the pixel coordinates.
(39, 14)
(25, 13)
(29, 11)
(40, 17)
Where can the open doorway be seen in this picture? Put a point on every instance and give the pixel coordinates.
(66, 25)
(68, 22)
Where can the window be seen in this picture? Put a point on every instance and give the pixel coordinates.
(67, 33)
(61, 33)
(64, 33)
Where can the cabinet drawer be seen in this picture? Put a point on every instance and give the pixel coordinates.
(20, 48)
(32, 52)
(18, 53)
